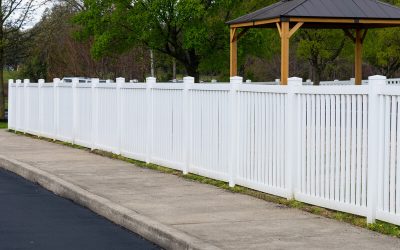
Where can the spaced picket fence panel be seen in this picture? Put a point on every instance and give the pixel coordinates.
(332, 146)
(134, 110)
(12, 92)
(106, 117)
(167, 117)
(83, 116)
(32, 107)
(210, 131)
(333, 167)
(388, 205)
(20, 106)
(47, 97)
(64, 106)
(261, 142)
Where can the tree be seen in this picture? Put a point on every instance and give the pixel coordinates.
(383, 51)
(191, 31)
(320, 48)
(14, 15)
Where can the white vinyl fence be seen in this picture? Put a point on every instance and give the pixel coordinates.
(333, 146)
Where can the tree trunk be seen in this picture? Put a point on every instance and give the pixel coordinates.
(317, 76)
(193, 71)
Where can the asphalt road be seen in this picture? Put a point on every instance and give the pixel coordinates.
(34, 218)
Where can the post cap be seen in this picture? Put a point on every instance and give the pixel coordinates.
(151, 80)
(120, 80)
(95, 80)
(377, 80)
(188, 79)
(236, 79)
(377, 77)
(295, 81)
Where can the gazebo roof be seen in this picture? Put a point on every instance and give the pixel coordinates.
(353, 11)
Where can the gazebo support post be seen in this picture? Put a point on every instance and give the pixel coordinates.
(358, 58)
(233, 52)
(284, 52)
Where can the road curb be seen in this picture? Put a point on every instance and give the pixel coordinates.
(160, 234)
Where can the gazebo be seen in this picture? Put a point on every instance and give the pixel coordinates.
(355, 17)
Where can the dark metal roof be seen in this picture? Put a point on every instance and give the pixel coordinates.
(355, 9)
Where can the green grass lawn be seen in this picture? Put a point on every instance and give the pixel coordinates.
(3, 125)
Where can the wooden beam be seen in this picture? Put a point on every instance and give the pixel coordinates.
(238, 36)
(233, 53)
(285, 53)
(255, 23)
(364, 35)
(321, 20)
(380, 21)
(348, 33)
(262, 22)
(241, 25)
(358, 58)
(279, 29)
(295, 28)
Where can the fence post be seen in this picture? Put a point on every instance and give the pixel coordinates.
(234, 84)
(120, 81)
(26, 105)
(95, 82)
(56, 82)
(74, 109)
(187, 123)
(150, 81)
(374, 138)
(10, 105)
(41, 116)
(292, 122)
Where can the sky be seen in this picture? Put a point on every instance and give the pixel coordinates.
(37, 15)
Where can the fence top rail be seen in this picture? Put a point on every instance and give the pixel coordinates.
(64, 84)
(171, 86)
(105, 85)
(278, 89)
(332, 90)
(210, 87)
(133, 86)
(264, 83)
(32, 84)
(390, 90)
(393, 81)
(83, 85)
(48, 85)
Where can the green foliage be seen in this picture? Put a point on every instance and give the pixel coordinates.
(382, 50)
(34, 69)
(192, 31)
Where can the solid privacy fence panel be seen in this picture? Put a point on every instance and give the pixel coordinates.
(335, 146)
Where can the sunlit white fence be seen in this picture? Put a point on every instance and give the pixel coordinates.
(332, 146)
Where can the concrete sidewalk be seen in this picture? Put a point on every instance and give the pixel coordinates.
(173, 212)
